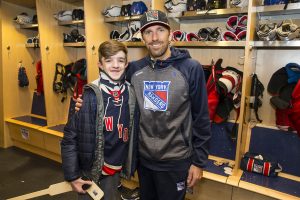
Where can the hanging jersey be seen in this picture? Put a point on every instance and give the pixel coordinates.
(116, 124)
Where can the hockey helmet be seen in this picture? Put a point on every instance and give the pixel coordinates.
(138, 8)
(175, 6)
(112, 11)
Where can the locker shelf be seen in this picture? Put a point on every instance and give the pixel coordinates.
(214, 13)
(31, 46)
(218, 44)
(29, 26)
(77, 23)
(121, 19)
(292, 8)
(276, 44)
(74, 44)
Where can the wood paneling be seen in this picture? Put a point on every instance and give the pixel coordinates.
(74, 2)
(53, 52)
(17, 100)
(1, 86)
(96, 31)
(26, 3)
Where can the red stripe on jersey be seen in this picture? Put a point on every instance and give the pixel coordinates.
(250, 164)
(108, 123)
(120, 130)
(110, 171)
(125, 135)
(267, 167)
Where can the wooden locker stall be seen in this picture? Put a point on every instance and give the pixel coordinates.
(54, 50)
(264, 58)
(17, 101)
(222, 148)
(96, 31)
(1, 86)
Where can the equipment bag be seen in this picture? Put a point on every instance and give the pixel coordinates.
(212, 89)
(294, 115)
(79, 71)
(22, 77)
(212, 94)
(192, 5)
(254, 162)
(39, 78)
(257, 89)
(63, 79)
(77, 14)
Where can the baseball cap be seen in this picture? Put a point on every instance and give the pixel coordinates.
(278, 80)
(154, 17)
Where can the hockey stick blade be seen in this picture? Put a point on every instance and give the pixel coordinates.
(54, 189)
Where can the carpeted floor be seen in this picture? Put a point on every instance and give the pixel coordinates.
(22, 172)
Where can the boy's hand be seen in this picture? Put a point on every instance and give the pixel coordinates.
(78, 103)
(78, 183)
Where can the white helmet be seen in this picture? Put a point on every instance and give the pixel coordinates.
(112, 11)
(239, 3)
(266, 31)
(137, 36)
(287, 31)
(135, 24)
(175, 6)
(64, 15)
(23, 18)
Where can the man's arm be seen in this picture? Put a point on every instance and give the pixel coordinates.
(195, 174)
(201, 124)
(78, 103)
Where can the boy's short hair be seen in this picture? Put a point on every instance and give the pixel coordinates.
(110, 48)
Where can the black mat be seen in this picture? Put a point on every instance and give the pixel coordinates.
(32, 120)
(22, 172)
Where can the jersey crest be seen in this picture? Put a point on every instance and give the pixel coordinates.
(156, 95)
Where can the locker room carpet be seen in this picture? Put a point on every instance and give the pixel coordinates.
(22, 172)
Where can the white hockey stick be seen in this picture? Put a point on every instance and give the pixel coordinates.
(94, 191)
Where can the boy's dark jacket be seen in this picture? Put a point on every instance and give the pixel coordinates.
(82, 148)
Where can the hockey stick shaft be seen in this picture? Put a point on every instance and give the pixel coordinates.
(54, 189)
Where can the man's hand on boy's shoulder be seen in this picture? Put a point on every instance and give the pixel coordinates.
(78, 103)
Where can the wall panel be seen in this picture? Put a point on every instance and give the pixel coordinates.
(52, 51)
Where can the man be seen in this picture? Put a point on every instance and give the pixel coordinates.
(174, 127)
(96, 139)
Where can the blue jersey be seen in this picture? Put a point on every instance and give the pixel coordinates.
(116, 124)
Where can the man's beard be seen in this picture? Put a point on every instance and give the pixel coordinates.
(159, 53)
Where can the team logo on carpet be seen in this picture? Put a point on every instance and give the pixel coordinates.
(156, 95)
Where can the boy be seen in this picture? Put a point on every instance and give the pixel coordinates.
(96, 140)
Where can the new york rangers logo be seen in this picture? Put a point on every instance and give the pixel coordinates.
(156, 95)
(152, 15)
